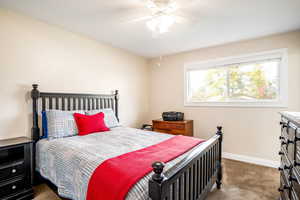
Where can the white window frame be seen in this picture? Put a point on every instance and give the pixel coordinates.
(282, 100)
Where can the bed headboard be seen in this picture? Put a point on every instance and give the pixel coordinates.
(68, 101)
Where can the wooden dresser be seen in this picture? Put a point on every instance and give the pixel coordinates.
(174, 127)
(290, 156)
(16, 169)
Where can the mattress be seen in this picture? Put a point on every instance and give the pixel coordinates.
(70, 162)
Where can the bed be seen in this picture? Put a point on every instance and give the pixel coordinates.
(189, 176)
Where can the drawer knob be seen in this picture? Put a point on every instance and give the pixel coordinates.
(293, 179)
(280, 169)
(287, 167)
(280, 153)
(13, 171)
(13, 187)
(296, 163)
(283, 143)
(283, 124)
(297, 139)
(286, 187)
(290, 142)
(281, 137)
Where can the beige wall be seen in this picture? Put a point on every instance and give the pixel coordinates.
(248, 131)
(35, 52)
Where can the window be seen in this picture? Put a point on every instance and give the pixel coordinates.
(249, 80)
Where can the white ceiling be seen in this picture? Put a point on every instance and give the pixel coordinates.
(211, 22)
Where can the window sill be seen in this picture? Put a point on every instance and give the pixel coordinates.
(237, 104)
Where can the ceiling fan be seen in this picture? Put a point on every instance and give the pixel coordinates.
(164, 14)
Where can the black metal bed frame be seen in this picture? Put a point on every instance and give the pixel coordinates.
(191, 179)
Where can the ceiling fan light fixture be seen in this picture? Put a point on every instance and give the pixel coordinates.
(151, 5)
(161, 24)
(172, 7)
(166, 6)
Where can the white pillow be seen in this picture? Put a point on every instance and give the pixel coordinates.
(61, 123)
(110, 118)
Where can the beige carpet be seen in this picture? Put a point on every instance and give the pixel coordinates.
(247, 181)
(241, 181)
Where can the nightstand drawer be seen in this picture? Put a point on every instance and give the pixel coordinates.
(12, 187)
(168, 126)
(10, 171)
(16, 169)
(170, 131)
(174, 127)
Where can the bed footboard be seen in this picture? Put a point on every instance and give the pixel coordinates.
(193, 177)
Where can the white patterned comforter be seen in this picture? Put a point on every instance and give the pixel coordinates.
(70, 162)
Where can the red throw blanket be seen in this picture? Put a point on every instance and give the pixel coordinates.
(113, 178)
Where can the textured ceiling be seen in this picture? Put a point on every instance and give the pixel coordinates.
(209, 22)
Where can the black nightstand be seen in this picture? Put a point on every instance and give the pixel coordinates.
(16, 169)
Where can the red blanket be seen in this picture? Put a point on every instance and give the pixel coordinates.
(115, 177)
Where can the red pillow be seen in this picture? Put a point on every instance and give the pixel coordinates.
(87, 124)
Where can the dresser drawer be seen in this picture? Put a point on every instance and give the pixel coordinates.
(286, 164)
(12, 187)
(288, 140)
(288, 144)
(295, 182)
(7, 172)
(169, 126)
(284, 195)
(284, 125)
(294, 195)
(297, 155)
(285, 178)
(284, 188)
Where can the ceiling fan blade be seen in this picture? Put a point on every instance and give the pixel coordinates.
(140, 19)
(185, 17)
(186, 4)
(180, 19)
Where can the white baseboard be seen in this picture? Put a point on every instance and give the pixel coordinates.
(252, 160)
